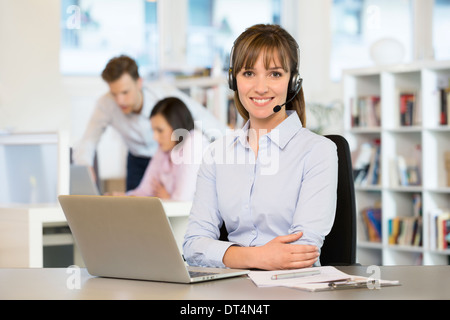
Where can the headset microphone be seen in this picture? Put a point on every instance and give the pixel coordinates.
(299, 86)
(278, 107)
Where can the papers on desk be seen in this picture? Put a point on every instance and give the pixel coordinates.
(329, 278)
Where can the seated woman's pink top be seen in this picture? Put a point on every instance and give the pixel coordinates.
(175, 170)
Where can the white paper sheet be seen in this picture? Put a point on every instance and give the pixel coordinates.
(327, 274)
(318, 282)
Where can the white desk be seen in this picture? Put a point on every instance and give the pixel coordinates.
(417, 283)
(21, 231)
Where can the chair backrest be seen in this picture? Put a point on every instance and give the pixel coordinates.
(339, 247)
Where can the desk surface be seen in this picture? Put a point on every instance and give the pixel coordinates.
(417, 282)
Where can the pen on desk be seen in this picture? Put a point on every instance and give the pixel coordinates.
(349, 284)
(297, 274)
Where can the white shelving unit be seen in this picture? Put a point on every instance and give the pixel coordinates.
(212, 92)
(396, 200)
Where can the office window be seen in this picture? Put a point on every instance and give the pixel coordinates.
(93, 31)
(213, 25)
(364, 30)
(441, 29)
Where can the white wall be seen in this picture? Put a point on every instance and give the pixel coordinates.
(31, 93)
(310, 24)
(34, 96)
(314, 38)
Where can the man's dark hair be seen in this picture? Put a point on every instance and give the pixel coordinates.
(117, 66)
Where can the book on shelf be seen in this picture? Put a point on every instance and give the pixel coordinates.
(444, 112)
(417, 204)
(447, 166)
(371, 224)
(407, 230)
(409, 169)
(366, 111)
(367, 169)
(439, 228)
(409, 108)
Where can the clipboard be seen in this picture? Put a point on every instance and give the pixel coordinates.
(352, 283)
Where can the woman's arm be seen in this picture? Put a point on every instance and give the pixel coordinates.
(275, 255)
(145, 187)
(316, 204)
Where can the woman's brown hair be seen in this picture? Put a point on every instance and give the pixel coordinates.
(273, 42)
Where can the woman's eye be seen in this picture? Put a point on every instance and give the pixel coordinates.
(276, 74)
(247, 73)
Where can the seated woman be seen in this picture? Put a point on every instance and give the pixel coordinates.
(172, 172)
(273, 183)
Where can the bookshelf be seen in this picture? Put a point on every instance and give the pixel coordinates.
(407, 178)
(213, 93)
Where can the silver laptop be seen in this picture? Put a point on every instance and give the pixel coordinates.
(82, 182)
(131, 237)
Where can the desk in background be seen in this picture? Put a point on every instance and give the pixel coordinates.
(22, 239)
(417, 282)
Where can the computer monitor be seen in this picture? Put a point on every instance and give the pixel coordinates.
(34, 167)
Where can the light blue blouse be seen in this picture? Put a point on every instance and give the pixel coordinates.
(289, 187)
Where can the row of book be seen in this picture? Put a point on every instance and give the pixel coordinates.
(406, 170)
(401, 230)
(405, 231)
(367, 168)
(409, 172)
(439, 222)
(447, 166)
(444, 112)
(409, 104)
(371, 224)
(366, 111)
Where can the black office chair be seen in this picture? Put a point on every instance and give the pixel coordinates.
(339, 247)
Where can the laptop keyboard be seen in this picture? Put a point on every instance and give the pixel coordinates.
(194, 274)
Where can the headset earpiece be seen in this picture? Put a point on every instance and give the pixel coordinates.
(231, 79)
(296, 83)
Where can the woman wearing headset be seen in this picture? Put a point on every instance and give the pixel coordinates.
(274, 182)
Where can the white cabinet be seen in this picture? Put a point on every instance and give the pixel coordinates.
(23, 239)
(214, 94)
(412, 182)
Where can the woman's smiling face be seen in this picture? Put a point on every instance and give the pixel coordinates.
(261, 89)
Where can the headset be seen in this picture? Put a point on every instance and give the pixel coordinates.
(295, 83)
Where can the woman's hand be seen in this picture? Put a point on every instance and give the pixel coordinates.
(159, 190)
(277, 254)
(280, 254)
